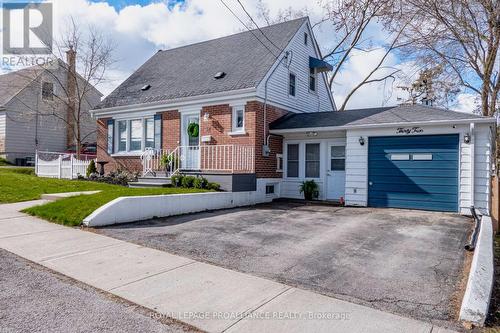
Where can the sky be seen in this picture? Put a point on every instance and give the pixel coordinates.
(139, 28)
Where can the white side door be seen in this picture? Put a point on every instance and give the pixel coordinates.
(335, 172)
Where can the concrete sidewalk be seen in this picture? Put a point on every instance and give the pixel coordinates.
(206, 296)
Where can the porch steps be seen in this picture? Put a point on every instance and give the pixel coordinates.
(150, 182)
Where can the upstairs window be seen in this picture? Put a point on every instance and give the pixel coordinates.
(291, 84)
(47, 91)
(306, 37)
(312, 79)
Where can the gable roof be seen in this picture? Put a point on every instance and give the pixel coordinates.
(12, 83)
(189, 70)
(372, 116)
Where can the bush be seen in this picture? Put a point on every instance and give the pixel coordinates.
(200, 183)
(91, 168)
(213, 186)
(176, 180)
(116, 178)
(187, 181)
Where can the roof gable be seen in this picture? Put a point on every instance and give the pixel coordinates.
(189, 70)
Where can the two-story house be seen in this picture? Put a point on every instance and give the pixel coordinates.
(37, 109)
(231, 87)
(253, 112)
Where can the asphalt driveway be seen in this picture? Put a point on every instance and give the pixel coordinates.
(407, 262)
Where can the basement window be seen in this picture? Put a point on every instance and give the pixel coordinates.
(270, 189)
(47, 91)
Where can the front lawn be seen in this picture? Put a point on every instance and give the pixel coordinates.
(18, 184)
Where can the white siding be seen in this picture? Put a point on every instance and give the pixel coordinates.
(357, 164)
(2, 132)
(304, 100)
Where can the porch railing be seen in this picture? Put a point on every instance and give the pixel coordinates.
(209, 158)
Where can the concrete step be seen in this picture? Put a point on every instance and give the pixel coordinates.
(158, 180)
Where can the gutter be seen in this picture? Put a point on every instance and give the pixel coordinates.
(367, 126)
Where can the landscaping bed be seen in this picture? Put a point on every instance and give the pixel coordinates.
(20, 184)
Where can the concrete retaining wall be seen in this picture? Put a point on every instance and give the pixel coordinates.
(477, 295)
(130, 209)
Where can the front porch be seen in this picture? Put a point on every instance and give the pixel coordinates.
(232, 166)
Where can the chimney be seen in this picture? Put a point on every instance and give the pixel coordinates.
(72, 98)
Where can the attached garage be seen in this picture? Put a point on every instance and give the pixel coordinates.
(416, 172)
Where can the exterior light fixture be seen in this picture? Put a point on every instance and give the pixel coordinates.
(467, 138)
(312, 134)
(361, 141)
(206, 117)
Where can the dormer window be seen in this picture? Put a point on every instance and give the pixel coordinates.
(47, 91)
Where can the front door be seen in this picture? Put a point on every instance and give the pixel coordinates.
(190, 150)
(336, 172)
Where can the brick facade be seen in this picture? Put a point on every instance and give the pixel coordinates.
(218, 125)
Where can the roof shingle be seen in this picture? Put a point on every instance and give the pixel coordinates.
(189, 70)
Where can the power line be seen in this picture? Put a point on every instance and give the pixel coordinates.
(255, 23)
(250, 30)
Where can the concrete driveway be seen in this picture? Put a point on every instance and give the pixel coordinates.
(407, 262)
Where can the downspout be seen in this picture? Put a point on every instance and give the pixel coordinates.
(472, 166)
(265, 147)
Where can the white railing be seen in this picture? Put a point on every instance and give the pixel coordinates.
(61, 165)
(208, 158)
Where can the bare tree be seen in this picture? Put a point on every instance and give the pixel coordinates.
(463, 36)
(351, 21)
(89, 54)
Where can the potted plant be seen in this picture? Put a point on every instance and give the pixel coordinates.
(310, 189)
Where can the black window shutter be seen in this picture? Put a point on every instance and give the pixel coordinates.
(158, 130)
(111, 132)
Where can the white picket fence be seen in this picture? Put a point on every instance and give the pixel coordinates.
(61, 165)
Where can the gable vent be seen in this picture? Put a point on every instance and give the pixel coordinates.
(146, 87)
(219, 75)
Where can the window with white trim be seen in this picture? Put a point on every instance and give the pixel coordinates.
(292, 161)
(312, 79)
(312, 160)
(238, 119)
(135, 135)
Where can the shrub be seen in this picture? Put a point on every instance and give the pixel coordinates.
(91, 168)
(200, 182)
(213, 186)
(187, 181)
(115, 178)
(176, 180)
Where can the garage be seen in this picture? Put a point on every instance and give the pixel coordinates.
(415, 172)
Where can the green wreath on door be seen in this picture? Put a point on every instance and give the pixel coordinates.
(193, 130)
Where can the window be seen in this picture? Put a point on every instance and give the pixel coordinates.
(292, 161)
(291, 85)
(122, 136)
(149, 132)
(48, 91)
(269, 189)
(306, 37)
(312, 160)
(279, 162)
(337, 158)
(135, 135)
(422, 157)
(312, 79)
(238, 119)
(400, 157)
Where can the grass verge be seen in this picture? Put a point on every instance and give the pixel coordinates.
(20, 184)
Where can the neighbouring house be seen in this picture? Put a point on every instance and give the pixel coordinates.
(265, 121)
(35, 112)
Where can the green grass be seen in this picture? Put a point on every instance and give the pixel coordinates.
(20, 184)
(3, 162)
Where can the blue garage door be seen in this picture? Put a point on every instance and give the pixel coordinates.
(417, 172)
